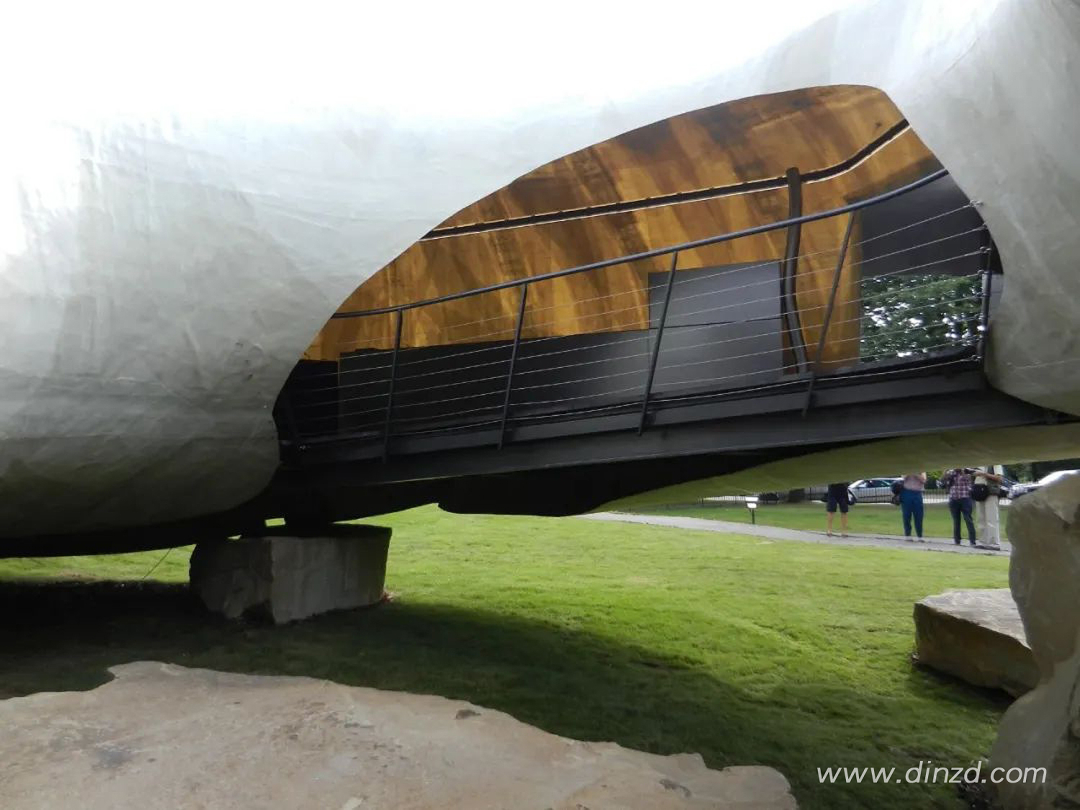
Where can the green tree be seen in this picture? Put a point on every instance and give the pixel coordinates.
(919, 314)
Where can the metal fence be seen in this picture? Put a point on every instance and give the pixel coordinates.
(815, 494)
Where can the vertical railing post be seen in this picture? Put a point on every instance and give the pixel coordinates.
(656, 347)
(829, 310)
(789, 306)
(987, 289)
(513, 362)
(393, 379)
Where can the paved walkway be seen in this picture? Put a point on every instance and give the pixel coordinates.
(775, 533)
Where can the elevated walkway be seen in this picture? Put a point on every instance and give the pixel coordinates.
(717, 368)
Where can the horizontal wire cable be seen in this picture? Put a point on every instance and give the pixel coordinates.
(908, 313)
(865, 437)
(338, 374)
(683, 330)
(714, 274)
(699, 295)
(637, 388)
(637, 372)
(534, 341)
(623, 338)
(644, 290)
(741, 269)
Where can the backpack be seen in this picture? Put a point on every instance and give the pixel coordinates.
(897, 487)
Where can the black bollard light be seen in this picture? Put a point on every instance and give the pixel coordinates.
(751, 504)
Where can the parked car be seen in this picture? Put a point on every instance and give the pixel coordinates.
(1018, 490)
(1007, 486)
(872, 490)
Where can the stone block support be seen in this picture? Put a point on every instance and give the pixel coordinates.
(288, 577)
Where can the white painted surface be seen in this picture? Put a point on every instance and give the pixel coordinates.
(185, 200)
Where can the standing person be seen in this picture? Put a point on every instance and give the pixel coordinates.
(911, 504)
(958, 483)
(987, 512)
(837, 498)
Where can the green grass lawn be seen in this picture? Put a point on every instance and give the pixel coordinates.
(862, 519)
(786, 654)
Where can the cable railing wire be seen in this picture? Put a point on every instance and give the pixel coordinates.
(711, 275)
(533, 341)
(637, 389)
(956, 343)
(692, 296)
(892, 332)
(664, 349)
(741, 392)
(622, 338)
(730, 236)
(697, 278)
(639, 292)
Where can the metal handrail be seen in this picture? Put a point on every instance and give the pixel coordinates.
(792, 224)
(674, 198)
(650, 254)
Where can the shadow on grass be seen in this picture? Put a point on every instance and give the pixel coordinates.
(63, 636)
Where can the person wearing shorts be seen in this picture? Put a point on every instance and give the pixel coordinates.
(837, 498)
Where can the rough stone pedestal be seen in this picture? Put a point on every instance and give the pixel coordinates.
(1042, 729)
(976, 636)
(160, 736)
(289, 577)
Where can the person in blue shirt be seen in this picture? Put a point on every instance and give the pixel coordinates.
(911, 504)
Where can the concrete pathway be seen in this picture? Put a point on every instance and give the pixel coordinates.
(775, 533)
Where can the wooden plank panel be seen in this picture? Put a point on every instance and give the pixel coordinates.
(744, 140)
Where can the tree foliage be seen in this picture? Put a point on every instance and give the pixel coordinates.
(918, 314)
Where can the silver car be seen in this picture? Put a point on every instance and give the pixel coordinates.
(872, 490)
(1023, 489)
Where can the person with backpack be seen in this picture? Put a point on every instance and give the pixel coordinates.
(911, 504)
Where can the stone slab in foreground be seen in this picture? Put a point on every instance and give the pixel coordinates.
(977, 636)
(1042, 729)
(288, 577)
(162, 736)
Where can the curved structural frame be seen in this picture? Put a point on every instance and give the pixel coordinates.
(164, 269)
